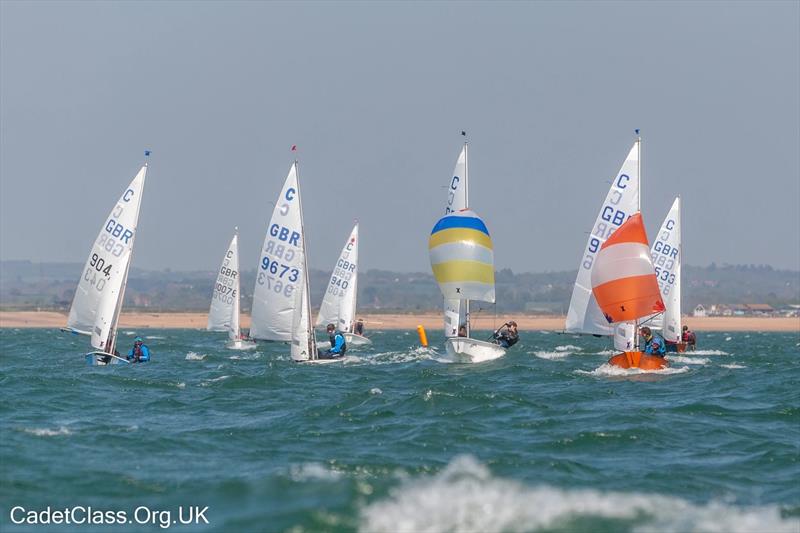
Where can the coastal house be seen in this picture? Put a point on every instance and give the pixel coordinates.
(699, 311)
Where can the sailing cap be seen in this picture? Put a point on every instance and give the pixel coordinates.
(138, 339)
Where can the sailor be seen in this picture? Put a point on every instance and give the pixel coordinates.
(507, 336)
(653, 342)
(338, 344)
(358, 329)
(462, 330)
(140, 353)
(689, 338)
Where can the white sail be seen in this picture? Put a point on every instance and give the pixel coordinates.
(624, 334)
(584, 315)
(666, 254)
(98, 297)
(280, 268)
(457, 199)
(303, 342)
(339, 303)
(224, 312)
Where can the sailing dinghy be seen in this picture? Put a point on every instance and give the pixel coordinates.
(98, 298)
(281, 300)
(224, 312)
(625, 288)
(666, 254)
(339, 303)
(462, 260)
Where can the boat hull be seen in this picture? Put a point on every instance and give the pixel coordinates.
(104, 359)
(466, 350)
(638, 360)
(240, 344)
(356, 340)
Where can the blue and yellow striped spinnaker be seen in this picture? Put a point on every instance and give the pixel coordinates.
(462, 257)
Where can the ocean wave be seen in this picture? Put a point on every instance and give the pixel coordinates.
(707, 352)
(208, 382)
(155, 337)
(246, 357)
(550, 355)
(733, 366)
(568, 348)
(193, 356)
(46, 432)
(612, 370)
(465, 496)
(313, 472)
(688, 360)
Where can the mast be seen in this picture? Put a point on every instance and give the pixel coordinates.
(237, 333)
(639, 209)
(312, 349)
(466, 195)
(355, 285)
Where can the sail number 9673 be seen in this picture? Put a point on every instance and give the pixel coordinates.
(279, 269)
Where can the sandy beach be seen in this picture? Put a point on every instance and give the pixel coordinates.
(48, 319)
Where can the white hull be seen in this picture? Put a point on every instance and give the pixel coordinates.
(241, 345)
(466, 350)
(356, 340)
(104, 359)
(321, 361)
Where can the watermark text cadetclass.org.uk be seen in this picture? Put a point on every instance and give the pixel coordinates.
(79, 515)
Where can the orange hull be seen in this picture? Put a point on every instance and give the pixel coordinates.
(638, 360)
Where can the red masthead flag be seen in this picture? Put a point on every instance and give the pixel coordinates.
(623, 279)
(294, 148)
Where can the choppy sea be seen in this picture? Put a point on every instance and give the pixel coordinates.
(547, 438)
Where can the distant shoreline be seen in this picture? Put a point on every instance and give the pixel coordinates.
(392, 321)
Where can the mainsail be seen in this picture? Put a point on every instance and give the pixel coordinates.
(224, 312)
(462, 257)
(281, 267)
(98, 297)
(622, 201)
(455, 310)
(623, 279)
(339, 303)
(666, 255)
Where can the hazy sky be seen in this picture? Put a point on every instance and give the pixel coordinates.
(375, 95)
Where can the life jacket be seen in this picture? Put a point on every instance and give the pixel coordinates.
(648, 346)
(690, 338)
(333, 342)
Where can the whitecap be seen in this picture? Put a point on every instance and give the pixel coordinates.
(375, 390)
(733, 366)
(688, 360)
(550, 355)
(192, 356)
(181, 385)
(728, 338)
(607, 352)
(465, 496)
(208, 382)
(46, 432)
(155, 337)
(312, 471)
(245, 357)
(613, 370)
(707, 352)
(568, 348)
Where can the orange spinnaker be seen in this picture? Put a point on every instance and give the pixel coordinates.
(627, 299)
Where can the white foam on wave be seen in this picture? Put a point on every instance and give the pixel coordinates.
(47, 432)
(312, 472)
(208, 382)
(465, 496)
(193, 356)
(375, 391)
(688, 360)
(155, 337)
(733, 366)
(245, 357)
(728, 338)
(607, 352)
(419, 353)
(707, 352)
(613, 370)
(568, 348)
(550, 355)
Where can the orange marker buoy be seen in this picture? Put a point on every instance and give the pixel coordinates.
(423, 338)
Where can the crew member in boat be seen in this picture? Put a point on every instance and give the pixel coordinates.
(140, 353)
(507, 336)
(689, 338)
(653, 342)
(338, 344)
(358, 329)
(462, 330)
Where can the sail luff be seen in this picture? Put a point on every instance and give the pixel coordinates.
(667, 257)
(457, 199)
